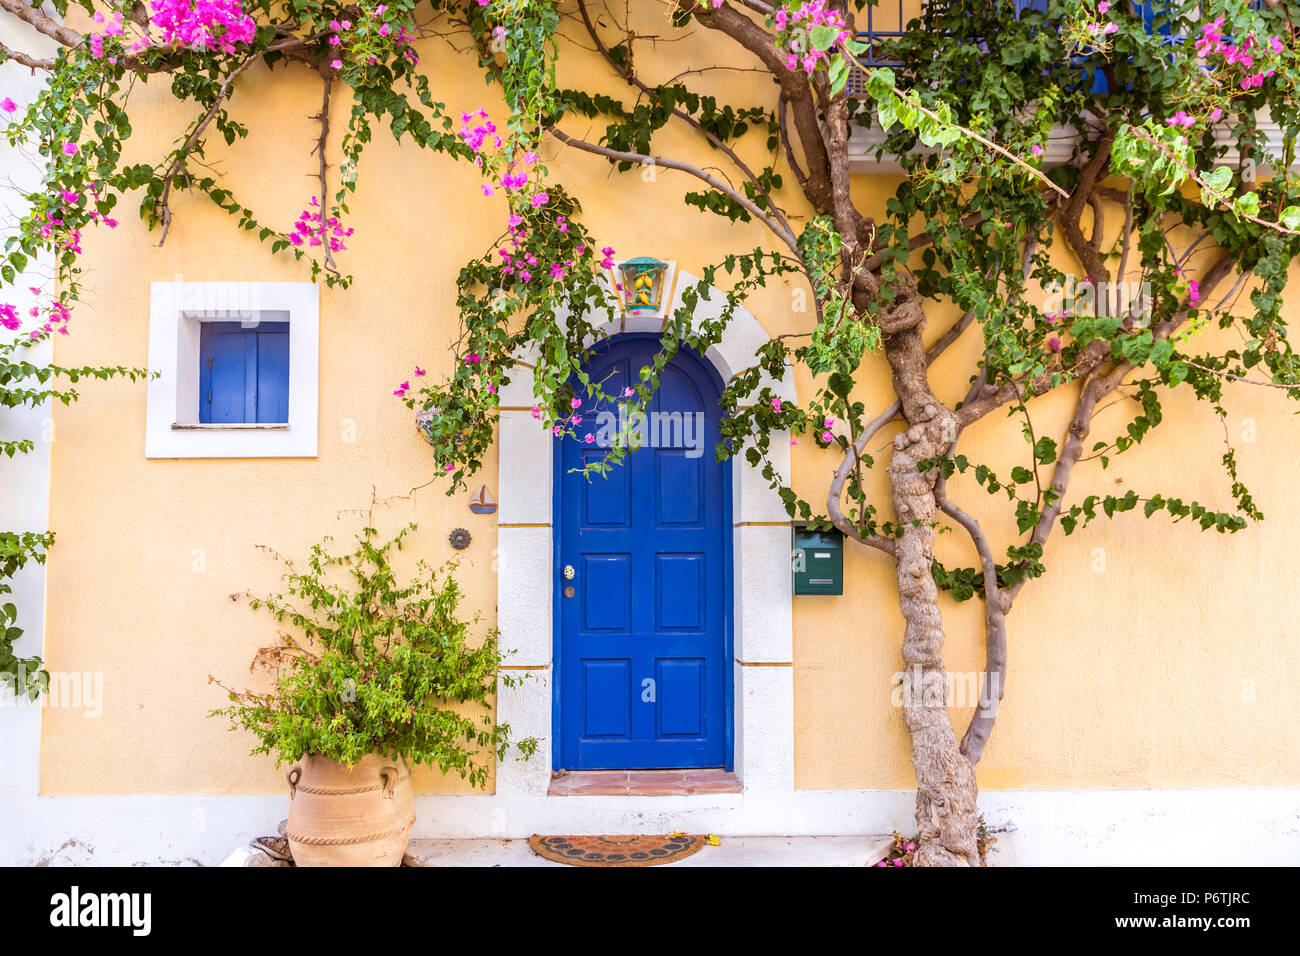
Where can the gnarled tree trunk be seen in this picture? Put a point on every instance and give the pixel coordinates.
(946, 813)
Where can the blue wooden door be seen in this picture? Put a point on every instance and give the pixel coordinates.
(644, 631)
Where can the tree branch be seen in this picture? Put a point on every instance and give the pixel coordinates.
(17, 56)
(161, 209)
(993, 682)
(734, 24)
(1095, 388)
(634, 81)
(43, 24)
(324, 118)
(834, 509)
(783, 232)
(1071, 215)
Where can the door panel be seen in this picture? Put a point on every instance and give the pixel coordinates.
(641, 659)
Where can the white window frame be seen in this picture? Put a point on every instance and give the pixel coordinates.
(177, 310)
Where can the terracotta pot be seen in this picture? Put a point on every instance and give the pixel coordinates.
(361, 817)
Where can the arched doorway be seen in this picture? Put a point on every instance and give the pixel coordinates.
(643, 609)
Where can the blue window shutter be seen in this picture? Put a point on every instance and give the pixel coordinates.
(273, 375)
(244, 373)
(223, 375)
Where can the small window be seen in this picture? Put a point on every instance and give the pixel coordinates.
(237, 368)
(243, 373)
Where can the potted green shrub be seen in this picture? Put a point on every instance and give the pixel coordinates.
(371, 674)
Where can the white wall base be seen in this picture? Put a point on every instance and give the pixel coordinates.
(1256, 826)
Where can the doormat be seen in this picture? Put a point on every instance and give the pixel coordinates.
(616, 850)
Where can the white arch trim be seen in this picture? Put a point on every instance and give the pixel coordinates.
(762, 601)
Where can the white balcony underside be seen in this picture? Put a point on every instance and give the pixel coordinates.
(1060, 149)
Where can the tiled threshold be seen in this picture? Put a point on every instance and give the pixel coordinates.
(642, 783)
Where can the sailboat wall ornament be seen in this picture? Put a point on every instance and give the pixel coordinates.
(482, 502)
(644, 286)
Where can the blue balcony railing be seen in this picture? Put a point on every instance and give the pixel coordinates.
(887, 22)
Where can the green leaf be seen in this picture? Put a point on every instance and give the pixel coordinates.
(1246, 204)
(822, 37)
(1045, 451)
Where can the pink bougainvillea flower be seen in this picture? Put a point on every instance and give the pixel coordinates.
(576, 420)
(70, 197)
(450, 466)
(399, 392)
(827, 437)
(70, 149)
(1181, 119)
(590, 438)
(1036, 150)
(829, 423)
(537, 412)
(336, 64)
(776, 405)
(1054, 344)
(419, 372)
(1194, 293)
(556, 430)
(628, 392)
(1103, 6)
(576, 403)
(9, 317)
(8, 105)
(539, 200)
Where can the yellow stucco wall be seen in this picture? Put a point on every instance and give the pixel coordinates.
(1133, 676)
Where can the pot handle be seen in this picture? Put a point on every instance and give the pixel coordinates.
(293, 776)
(390, 777)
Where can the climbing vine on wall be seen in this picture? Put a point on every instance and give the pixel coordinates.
(1100, 192)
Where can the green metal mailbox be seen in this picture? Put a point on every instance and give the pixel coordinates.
(817, 559)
